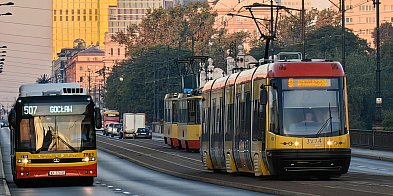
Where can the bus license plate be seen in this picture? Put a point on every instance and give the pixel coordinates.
(316, 141)
(56, 173)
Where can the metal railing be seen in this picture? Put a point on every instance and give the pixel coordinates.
(378, 140)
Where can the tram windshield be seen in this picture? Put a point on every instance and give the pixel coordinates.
(56, 129)
(313, 112)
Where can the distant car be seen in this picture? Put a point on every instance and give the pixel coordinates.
(4, 123)
(143, 133)
(114, 129)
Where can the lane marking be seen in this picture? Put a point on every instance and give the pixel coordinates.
(170, 153)
(148, 155)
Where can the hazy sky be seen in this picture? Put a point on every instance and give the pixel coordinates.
(27, 34)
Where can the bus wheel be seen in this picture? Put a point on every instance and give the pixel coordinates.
(88, 181)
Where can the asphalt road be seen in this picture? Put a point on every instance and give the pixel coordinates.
(365, 176)
(117, 176)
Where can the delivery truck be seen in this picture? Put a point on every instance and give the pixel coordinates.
(131, 123)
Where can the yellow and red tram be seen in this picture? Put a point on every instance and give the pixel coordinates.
(255, 121)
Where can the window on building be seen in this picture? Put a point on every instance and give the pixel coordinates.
(54, 12)
(79, 18)
(96, 18)
(90, 18)
(90, 11)
(84, 11)
(72, 11)
(78, 12)
(61, 12)
(118, 51)
(84, 18)
(81, 68)
(96, 11)
(362, 20)
(80, 79)
(54, 18)
(349, 20)
(66, 12)
(72, 18)
(66, 18)
(61, 18)
(111, 52)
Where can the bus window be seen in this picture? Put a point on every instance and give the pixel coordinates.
(26, 137)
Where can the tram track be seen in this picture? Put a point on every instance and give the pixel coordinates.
(172, 162)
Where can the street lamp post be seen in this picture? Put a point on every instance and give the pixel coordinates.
(89, 79)
(378, 97)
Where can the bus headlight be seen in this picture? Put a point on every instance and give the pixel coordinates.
(86, 159)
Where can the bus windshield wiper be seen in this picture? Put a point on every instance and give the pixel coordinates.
(67, 144)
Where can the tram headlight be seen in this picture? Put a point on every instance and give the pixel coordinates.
(296, 143)
(329, 143)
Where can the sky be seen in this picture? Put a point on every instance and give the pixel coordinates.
(27, 34)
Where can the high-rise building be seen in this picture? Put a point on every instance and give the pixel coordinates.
(128, 12)
(360, 17)
(79, 19)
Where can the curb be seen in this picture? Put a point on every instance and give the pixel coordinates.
(375, 157)
(7, 190)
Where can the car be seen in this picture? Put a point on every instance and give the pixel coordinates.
(143, 133)
(114, 129)
(4, 123)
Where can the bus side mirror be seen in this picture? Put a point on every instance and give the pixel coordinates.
(98, 118)
(263, 95)
(12, 118)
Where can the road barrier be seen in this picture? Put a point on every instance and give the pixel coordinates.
(378, 140)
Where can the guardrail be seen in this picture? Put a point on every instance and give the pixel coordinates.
(379, 140)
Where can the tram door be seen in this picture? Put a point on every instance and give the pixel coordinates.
(217, 134)
(242, 144)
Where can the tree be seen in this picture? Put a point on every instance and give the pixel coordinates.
(186, 27)
(43, 79)
(145, 78)
(386, 33)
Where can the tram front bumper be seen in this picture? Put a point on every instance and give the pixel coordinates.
(322, 161)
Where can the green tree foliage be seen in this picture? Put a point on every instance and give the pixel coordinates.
(43, 79)
(188, 27)
(151, 75)
(386, 33)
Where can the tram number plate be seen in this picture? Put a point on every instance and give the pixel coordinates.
(57, 173)
(314, 141)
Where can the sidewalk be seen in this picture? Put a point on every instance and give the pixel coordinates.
(372, 154)
(3, 183)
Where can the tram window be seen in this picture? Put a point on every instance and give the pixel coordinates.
(247, 115)
(273, 114)
(213, 130)
(198, 111)
(229, 130)
(256, 121)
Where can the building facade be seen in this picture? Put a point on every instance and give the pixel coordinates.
(360, 17)
(83, 19)
(128, 12)
(84, 68)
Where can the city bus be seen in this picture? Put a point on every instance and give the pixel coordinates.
(111, 116)
(281, 118)
(53, 133)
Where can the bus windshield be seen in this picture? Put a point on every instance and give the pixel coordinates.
(312, 112)
(56, 133)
